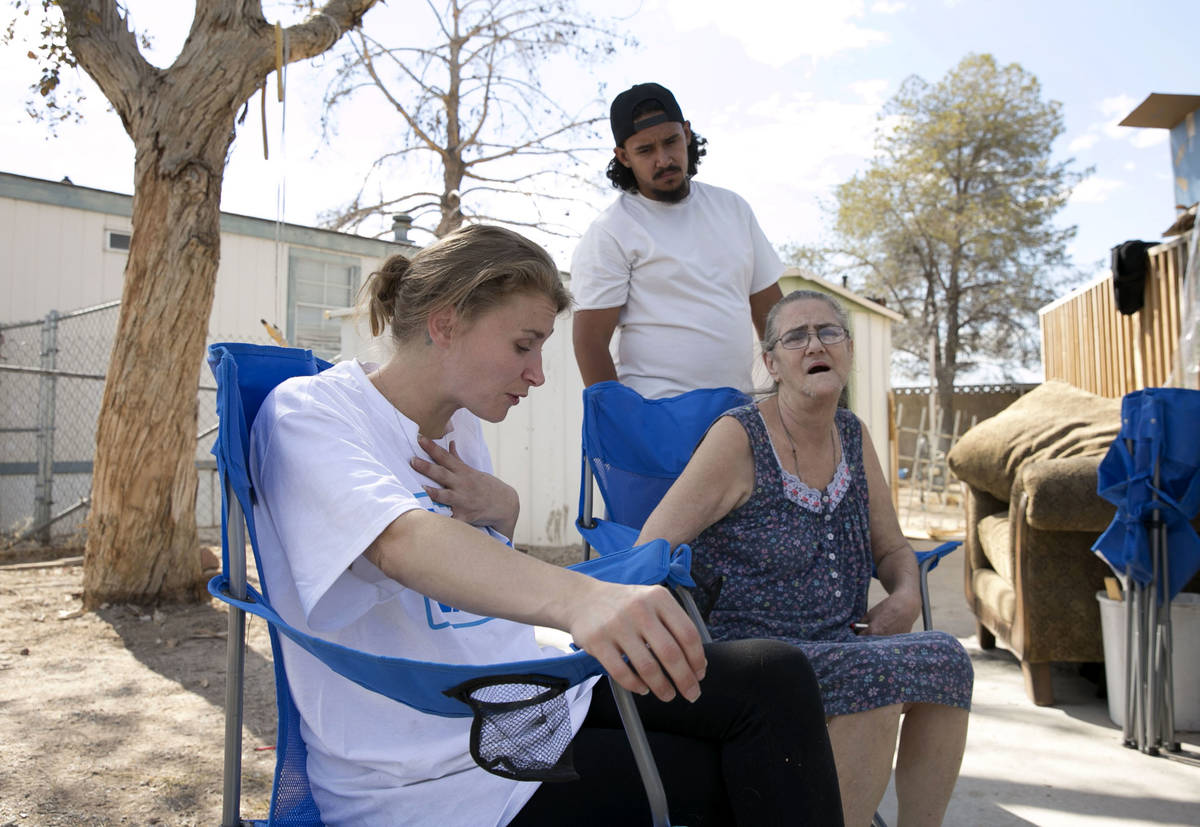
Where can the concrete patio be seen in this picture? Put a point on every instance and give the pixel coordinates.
(1061, 766)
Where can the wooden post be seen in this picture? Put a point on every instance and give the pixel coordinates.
(895, 412)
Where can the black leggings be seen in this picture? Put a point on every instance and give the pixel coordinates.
(752, 750)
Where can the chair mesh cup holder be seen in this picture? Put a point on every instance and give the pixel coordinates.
(521, 727)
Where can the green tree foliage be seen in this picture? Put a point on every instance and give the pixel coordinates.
(477, 134)
(812, 258)
(953, 220)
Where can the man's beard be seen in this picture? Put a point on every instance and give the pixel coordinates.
(673, 196)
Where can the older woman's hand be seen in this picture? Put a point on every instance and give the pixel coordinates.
(473, 496)
(895, 614)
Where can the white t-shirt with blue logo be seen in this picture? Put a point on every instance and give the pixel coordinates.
(330, 464)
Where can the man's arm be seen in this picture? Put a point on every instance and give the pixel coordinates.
(593, 330)
(761, 304)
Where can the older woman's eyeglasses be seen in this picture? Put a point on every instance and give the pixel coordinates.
(797, 338)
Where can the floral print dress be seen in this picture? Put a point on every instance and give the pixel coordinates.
(794, 564)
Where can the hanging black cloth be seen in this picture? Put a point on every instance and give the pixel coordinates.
(1130, 266)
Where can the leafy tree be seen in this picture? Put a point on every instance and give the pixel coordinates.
(812, 258)
(472, 104)
(953, 220)
(141, 543)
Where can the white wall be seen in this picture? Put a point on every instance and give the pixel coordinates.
(869, 379)
(53, 258)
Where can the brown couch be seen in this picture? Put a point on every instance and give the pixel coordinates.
(1032, 516)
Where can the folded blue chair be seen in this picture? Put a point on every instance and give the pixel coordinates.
(634, 448)
(1152, 474)
(245, 374)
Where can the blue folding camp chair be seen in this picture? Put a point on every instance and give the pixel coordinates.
(245, 374)
(1152, 474)
(634, 448)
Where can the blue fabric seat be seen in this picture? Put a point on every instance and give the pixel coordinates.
(245, 375)
(1152, 474)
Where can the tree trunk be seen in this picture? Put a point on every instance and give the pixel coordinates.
(453, 167)
(141, 544)
(451, 200)
(945, 403)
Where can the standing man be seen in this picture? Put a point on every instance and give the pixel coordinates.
(682, 267)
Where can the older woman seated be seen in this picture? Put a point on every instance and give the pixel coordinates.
(785, 505)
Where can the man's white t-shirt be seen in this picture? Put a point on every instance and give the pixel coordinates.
(682, 274)
(330, 465)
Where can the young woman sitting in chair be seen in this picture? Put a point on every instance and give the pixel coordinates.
(785, 505)
(381, 528)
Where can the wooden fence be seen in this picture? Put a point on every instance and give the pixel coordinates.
(1087, 342)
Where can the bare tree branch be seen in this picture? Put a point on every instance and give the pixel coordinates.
(476, 103)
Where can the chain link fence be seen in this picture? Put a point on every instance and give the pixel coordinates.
(51, 383)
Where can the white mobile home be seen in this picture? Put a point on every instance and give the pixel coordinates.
(63, 247)
(62, 258)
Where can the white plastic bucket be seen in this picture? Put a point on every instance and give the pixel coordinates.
(1185, 658)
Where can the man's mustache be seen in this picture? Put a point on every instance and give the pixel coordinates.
(666, 171)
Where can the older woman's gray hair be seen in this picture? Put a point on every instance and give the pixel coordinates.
(770, 328)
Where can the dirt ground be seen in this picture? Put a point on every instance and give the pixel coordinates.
(116, 716)
(933, 515)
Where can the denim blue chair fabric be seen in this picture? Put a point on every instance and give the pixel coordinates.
(245, 375)
(634, 448)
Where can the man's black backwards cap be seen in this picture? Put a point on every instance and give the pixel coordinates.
(620, 115)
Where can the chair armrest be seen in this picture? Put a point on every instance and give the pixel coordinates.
(1061, 495)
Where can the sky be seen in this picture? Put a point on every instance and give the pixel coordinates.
(787, 94)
